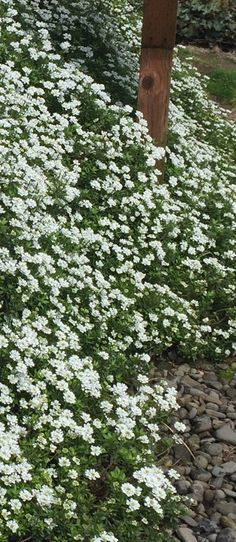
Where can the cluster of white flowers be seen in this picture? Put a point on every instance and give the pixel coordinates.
(96, 266)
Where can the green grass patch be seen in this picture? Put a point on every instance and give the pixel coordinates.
(222, 85)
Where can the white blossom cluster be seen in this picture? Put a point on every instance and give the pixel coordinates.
(100, 267)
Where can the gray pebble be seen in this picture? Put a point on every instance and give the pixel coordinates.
(195, 392)
(215, 448)
(226, 535)
(216, 459)
(201, 474)
(230, 493)
(182, 486)
(198, 491)
(190, 521)
(216, 517)
(229, 467)
(212, 406)
(181, 452)
(192, 413)
(218, 471)
(218, 482)
(206, 526)
(202, 424)
(189, 382)
(194, 442)
(226, 434)
(214, 384)
(227, 521)
(226, 508)
(186, 535)
(231, 415)
(201, 509)
(209, 495)
(215, 414)
(182, 413)
(201, 461)
(213, 397)
(220, 494)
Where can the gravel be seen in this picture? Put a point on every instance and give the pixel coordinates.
(207, 461)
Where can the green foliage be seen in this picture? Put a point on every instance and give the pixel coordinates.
(101, 266)
(222, 85)
(207, 22)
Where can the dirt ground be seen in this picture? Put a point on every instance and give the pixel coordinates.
(208, 61)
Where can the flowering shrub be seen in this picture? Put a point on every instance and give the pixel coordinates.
(100, 267)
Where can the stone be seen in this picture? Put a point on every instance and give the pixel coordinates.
(192, 413)
(194, 442)
(226, 434)
(212, 537)
(216, 517)
(231, 392)
(186, 535)
(226, 535)
(214, 384)
(182, 486)
(191, 383)
(190, 521)
(206, 526)
(230, 493)
(229, 467)
(185, 400)
(182, 369)
(201, 509)
(181, 452)
(213, 397)
(212, 406)
(215, 414)
(202, 424)
(218, 482)
(226, 521)
(214, 448)
(201, 409)
(198, 491)
(220, 494)
(209, 496)
(218, 471)
(201, 474)
(201, 461)
(216, 459)
(182, 413)
(226, 508)
(216, 423)
(195, 392)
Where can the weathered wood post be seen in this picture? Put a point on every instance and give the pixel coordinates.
(158, 41)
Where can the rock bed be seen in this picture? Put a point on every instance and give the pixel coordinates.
(207, 459)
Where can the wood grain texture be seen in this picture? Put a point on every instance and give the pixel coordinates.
(158, 40)
(159, 24)
(154, 85)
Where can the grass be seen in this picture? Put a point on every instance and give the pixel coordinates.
(222, 85)
(220, 67)
(228, 374)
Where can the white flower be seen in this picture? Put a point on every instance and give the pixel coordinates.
(13, 525)
(92, 474)
(180, 426)
(133, 504)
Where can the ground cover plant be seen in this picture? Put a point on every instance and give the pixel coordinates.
(102, 269)
(220, 67)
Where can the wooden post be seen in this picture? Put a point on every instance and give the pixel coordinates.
(158, 41)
